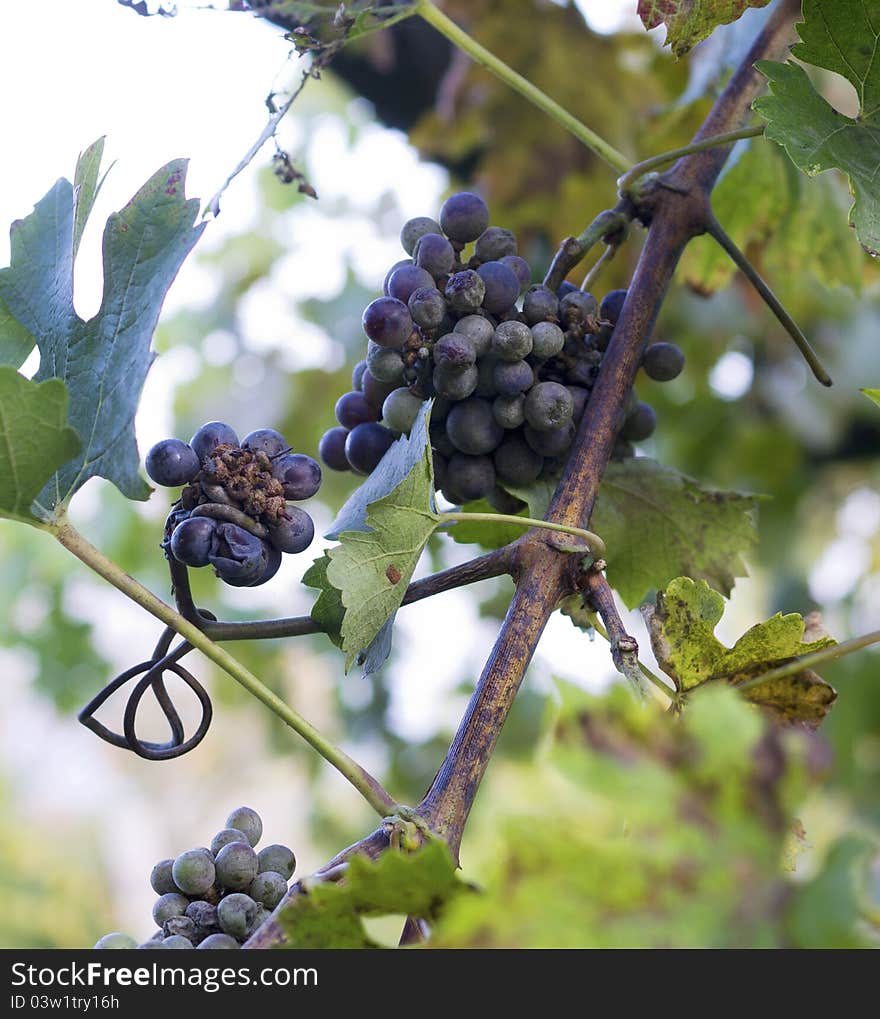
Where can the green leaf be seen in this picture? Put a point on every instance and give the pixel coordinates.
(496, 534)
(842, 37)
(328, 915)
(689, 21)
(873, 394)
(330, 22)
(15, 341)
(35, 439)
(328, 609)
(104, 361)
(682, 630)
(86, 187)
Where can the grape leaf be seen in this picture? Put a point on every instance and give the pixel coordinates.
(682, 630)
(328, 610)
(86, 185)
(842, 37)
(873, 394)
(103, 361)
(333, 23)
(327, 914)
(35, 440)
(689, 21)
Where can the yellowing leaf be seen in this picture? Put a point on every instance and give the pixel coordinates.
(689, 21)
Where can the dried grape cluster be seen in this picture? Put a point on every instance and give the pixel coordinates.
(510, 365)
(217, 897)
(234, 511)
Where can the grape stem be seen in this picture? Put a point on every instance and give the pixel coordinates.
(627, 184)
(595, 544)
(573, 250)
(600, 263)
(605, 151)
(827, 654)
(718, 233)
(365, 784)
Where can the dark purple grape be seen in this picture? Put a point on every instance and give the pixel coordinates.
(540, 304)
(494, 243)
(457, 384)
(406, 279)
(387, 322)
(508, 410)
(376, 390)
(512, 341)
(469, 477)
(577, 308)
(440, 440)
(357, 374)
(612, 305)
(472, 427)
(210, 436)
(366, 445)
(511, 378)
(521, 269)
(435, 254)
(400, 409)
(439, 462)
(516, 462)
(384, 364)
(548, 406)
(172, 462)
(581, 373)
(479, 331)
(553, 443)
(464, 217)
(238, 557)
(454, 352)
(579, 397)
(353, 409)
(265, 440)
(502, 286)
(294, 531)
(415, 228)
(427, 307)
(547, 339)
(564, 288)
(640, 423)
(299, 474)
(392, 271)
(192, 540)
(331, 449)
(663, 362)
(465, 291)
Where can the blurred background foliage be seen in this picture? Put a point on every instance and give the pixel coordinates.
(270, 336)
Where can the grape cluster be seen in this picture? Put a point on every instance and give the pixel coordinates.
(510, 365)
(217, 897)
(234, 511)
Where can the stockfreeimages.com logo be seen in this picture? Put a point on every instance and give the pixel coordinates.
(210, 979)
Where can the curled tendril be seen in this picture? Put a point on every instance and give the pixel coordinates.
(152, 677)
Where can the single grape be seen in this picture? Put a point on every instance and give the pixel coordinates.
(439, 463)
(166, 906)
(427, 307)
(469, 477)
(269, 888)
(663, 362)
(564, 288)
(265, 440)
(383, 365)
(415, 228)
(236, 913)
(521, 269)
(397, 265)
(577, 308)
(357, 374)
(464, 216)
(375, 390)
(224, 837)
(293, 532)
(176, 941)
(193, 871)
(407, 278)
(236, 866)
(182, 925)
(512, 341)
(434, 254)
(299, 474)
(478, 330)
(161, 879)
(516, 462)
(331, 449)
(277, 858)
(366, 445)
(238, 557)
(550, 443)
(440, 409)
(116, 940)
(579, 399)
(540, 304)
(640, 423)
(203, 915)
(218, 941)
(455, 385)
(548, 406)
(494, 243)
(511, 378)
(472, 427)
(612, 305)
(465, 291)
(246, 820)
(387, 322)
(400, 410)
(547, 339)
(503, 502)
(210, 436)
(440, 440)
(192, 541)
(508, 410)
(352, 409)
(502, 286)
(172, 463)
(454, 352)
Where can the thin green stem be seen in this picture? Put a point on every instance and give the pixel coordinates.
(611, 223)
(482, 56)
(828, 654)
(595, 544)
(626, 182)
(365, 784)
